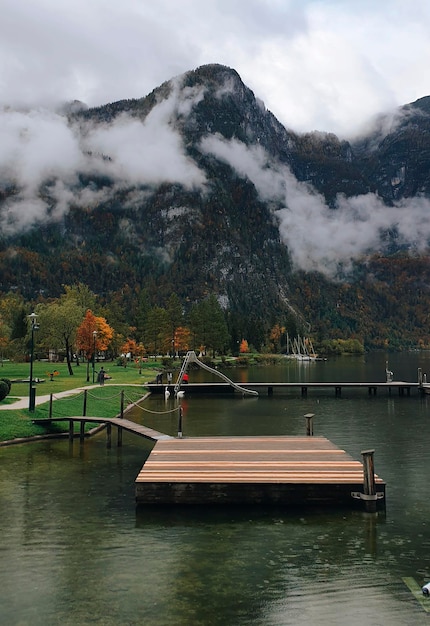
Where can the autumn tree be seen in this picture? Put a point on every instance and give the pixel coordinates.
(275, 336)
(133, 348)
(182, 338)
(243, 346)
(93, 335)
(82, 295)
(58, 324)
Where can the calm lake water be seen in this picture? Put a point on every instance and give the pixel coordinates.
(75, 551)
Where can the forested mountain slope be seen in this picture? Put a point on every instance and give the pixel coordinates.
(198, 189)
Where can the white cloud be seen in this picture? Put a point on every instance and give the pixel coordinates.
(151, 151)
(317, 65)
(320, 238)
(38, 147)
(251, 162)
(327, 240)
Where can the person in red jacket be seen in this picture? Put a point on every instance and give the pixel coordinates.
(185, 378)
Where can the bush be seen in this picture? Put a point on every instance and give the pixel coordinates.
(4, 390)
(8, 383)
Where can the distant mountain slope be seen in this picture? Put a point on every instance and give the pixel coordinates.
(198, 189)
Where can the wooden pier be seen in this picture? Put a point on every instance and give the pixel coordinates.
(401, 387)
(254, 470)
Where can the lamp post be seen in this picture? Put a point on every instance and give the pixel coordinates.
(32, 390)
(94, 352)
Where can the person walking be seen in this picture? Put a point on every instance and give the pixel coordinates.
(101, 376)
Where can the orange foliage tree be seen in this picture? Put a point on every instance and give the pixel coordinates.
(93, 335)
(275, 336)
(133, 348)
(182, 338)
(243, 346)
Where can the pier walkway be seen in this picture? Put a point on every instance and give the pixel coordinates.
(120, 422)
(255, 470)
(401, 387)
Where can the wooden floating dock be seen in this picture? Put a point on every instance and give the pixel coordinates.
(402, 388)
(253, 470)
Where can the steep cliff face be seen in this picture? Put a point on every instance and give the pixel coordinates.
(395, 156)
(198, 189)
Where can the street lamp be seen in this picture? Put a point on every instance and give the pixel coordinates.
(32, 390)
(94, 352)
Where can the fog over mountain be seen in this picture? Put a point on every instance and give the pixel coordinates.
(196, 188)
(43, 153)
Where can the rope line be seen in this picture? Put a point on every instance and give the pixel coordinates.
(91, 395)
(68, 397)
(149, 410)
(128, 399)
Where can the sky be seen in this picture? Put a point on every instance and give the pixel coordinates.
(325, 65)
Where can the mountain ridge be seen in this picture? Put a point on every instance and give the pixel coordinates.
(198, 189)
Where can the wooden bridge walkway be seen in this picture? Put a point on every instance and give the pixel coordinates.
(120, 422)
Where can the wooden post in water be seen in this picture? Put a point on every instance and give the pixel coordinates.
(109, 435)
(84, 409)
(180, 422)
(121, 415)
(82, 431)
(71, 431)
(50, 405)
(309, 424)
(369, 480)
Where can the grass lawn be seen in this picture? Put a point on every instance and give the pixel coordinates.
(101, 401)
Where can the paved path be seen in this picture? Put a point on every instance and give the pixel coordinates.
(22, 402)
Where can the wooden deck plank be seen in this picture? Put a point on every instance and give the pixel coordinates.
(211, 469)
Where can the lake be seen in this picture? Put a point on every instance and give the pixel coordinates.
(74, 549)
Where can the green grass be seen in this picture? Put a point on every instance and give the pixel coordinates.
(101, 401)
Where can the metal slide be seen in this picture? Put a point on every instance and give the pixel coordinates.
(192, 358)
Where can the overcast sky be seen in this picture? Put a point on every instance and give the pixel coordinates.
(327, 65)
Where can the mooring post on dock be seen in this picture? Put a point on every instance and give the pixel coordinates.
(180, 414)
(309, 424)
(369, 480)
(84, 408)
